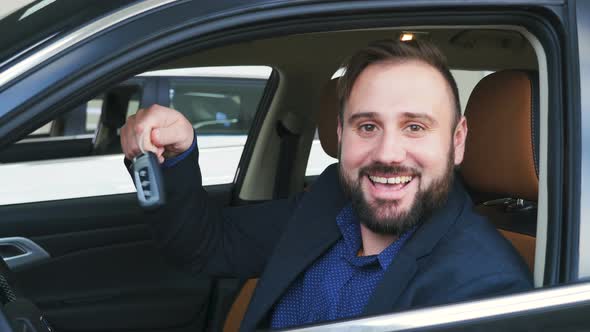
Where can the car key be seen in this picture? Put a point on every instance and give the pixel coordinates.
(148, 180)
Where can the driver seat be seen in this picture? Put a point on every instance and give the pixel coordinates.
(501, 162)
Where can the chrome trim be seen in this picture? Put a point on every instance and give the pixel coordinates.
(583, 22)
(32, 252)
(77, 37)
(28, 49)
(510, 304)
(256, 72)
(55, 138)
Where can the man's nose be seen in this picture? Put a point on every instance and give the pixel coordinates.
(390, 149)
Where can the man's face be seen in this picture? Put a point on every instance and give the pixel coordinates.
(399, 144)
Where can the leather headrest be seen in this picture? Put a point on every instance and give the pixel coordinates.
(328, 119)
(501, 151)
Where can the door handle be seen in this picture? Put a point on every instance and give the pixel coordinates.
(19, 252)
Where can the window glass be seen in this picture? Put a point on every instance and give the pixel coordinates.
(466, 82)
(133, 106)
(217, 106)
(93, 109)
(71, 122)
(43, 130)
(318, 158)
(221, 104)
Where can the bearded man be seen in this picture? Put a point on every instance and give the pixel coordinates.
(388, 228)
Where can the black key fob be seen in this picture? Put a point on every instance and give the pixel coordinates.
(148, 181)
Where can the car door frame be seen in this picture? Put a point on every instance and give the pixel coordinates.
(555, 265)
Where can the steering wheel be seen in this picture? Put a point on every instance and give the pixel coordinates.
(23, 314)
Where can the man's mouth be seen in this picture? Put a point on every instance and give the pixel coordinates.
(386, 183)
(391, 180)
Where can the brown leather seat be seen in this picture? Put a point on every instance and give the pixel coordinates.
(501, 164)
(236, 313)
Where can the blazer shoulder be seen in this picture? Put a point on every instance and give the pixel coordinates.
(473, 249)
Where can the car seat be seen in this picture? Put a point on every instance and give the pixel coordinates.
(112, 118)
(501, 163)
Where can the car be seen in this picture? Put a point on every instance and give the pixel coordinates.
(87, 261)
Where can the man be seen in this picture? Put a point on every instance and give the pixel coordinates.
(389, 228)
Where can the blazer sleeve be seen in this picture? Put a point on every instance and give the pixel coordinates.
(196, 233)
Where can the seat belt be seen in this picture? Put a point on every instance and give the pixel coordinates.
(289, 142)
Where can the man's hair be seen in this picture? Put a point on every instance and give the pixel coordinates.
(395, 51)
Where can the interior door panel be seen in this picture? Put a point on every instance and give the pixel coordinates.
(105, 273)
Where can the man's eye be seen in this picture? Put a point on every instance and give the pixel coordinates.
(368, 127)
(415, 127)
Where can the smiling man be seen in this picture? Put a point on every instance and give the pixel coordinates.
(400, 135)
(389, 228)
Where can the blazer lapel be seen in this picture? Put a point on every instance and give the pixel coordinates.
(388, 290)
(404, 266)
(311, 231)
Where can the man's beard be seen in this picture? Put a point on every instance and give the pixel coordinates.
(380, 216)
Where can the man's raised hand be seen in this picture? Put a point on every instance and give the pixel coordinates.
(161, 130)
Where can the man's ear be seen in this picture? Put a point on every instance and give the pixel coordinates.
(459, 138)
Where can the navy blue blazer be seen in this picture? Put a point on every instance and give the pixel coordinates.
(453, 256)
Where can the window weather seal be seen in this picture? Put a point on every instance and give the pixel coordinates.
(77, 37)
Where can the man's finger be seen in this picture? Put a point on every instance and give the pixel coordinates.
(167, 136)
(145, 142)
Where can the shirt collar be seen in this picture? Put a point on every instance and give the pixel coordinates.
(349, 227)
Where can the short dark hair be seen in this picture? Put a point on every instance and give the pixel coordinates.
(392, 50)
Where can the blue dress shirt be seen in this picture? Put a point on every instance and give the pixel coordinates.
(339, 284)
(169, 162)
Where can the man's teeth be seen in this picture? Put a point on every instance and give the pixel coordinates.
(394, 180)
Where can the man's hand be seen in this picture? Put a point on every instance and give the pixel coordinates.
(162, 130)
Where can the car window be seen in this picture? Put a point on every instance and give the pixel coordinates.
(217, 106)
(93, 109)
(221, 104)
(89, 113)
(42, 131)
(466, 81)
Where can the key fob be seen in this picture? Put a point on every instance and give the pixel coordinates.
(148, 181)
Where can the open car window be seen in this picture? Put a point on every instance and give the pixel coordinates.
(221, 103)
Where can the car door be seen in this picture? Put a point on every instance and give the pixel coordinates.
(105, 234)
(100, 269)
(103, 270)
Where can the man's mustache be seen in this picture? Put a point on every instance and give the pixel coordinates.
(379, 168)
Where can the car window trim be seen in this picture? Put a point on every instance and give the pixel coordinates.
(78, 36)
(579, 258)
(55, 138)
